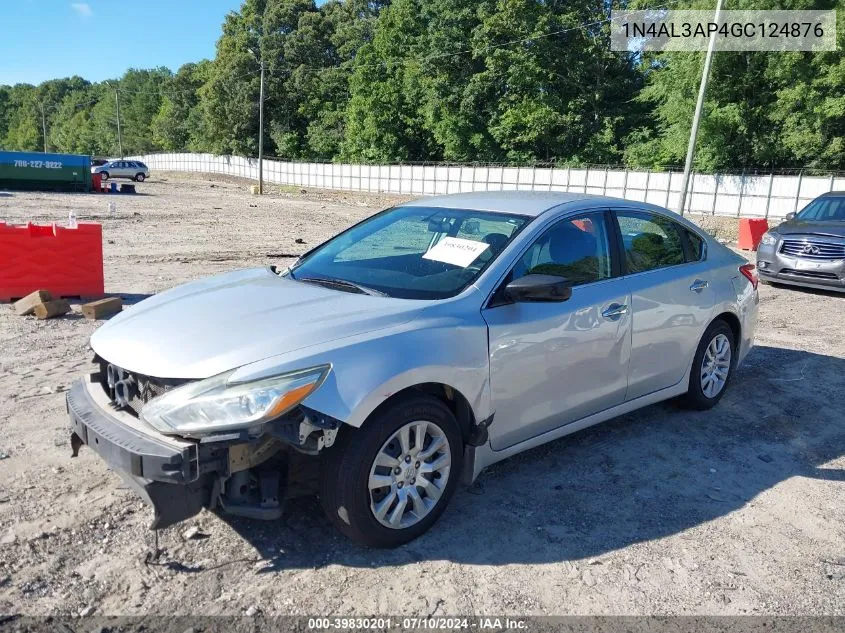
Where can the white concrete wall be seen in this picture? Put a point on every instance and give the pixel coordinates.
(726, 195)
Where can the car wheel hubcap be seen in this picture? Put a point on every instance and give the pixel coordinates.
(409, 474)
(715, 366)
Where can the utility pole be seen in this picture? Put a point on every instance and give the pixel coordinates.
(44, 127)
(117, 105)
(702, 90)
(261, 133)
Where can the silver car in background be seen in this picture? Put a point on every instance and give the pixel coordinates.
(410, 352)
(132, 169)
(808, 249)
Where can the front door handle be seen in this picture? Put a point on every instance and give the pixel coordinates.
(698, 285)
(614, 311)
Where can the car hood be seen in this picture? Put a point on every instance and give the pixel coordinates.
(830, 229)
(216, 324)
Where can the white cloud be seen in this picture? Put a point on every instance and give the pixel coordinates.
(82, 8)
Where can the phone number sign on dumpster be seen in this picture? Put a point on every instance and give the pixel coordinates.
(39, 164)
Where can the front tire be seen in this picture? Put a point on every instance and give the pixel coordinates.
(104, 176)
(386, 483)
(712, 367)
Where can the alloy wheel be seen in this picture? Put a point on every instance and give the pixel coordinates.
(715, 366)
(409, 474)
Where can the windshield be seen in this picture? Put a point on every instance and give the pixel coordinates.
(829, 209)
(412, 252)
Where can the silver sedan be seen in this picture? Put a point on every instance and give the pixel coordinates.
(132, 169)
(410, 352)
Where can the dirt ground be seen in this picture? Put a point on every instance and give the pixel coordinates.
(740, 510)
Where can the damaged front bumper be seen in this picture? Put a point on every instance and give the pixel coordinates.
(164, 471)
(179, 477)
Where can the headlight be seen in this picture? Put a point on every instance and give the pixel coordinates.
(214, 405)
(768, 239)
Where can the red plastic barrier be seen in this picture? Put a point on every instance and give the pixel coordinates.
(67, 262)
(97, 183)
(751, 232)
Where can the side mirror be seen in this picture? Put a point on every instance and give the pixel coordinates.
(538, 288)
(789, 216)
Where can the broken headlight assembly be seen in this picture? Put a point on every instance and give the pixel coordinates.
(213, 405)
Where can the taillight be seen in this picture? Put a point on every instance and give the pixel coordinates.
(749, 271)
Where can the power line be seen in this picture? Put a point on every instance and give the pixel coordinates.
(168, 93)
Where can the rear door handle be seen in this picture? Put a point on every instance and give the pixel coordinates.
(698, 285)
(614, 311)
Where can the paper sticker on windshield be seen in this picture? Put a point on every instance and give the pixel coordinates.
(457, 251)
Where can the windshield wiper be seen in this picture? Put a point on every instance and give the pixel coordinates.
(342, 284)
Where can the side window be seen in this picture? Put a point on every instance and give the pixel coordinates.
(650, 241)
(576, 248)
(696, 246)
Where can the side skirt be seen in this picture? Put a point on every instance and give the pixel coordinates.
(477, 459)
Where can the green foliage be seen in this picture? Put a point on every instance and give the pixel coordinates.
(179, 123)
(384, 122)
(762, 109)
(515, 81)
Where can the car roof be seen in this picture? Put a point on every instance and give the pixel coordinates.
(535, 203)
(531, 203)
(833, 194)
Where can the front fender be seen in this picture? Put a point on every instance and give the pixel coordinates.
(368, 369)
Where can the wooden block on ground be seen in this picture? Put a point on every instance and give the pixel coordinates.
(50, 309)
(27, 304)
(102, 308)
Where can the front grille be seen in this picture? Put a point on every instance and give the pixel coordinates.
(809, 273)
(141, 388)
(813, 249)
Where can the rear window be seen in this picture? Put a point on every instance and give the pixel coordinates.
(695, 244)
(651, 241)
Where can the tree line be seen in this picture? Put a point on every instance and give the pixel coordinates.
(517, 81)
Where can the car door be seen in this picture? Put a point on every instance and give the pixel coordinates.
(672, 299)
(553, 363)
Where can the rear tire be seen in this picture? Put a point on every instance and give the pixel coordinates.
(379, 452)
(139, 178)
(712, 367)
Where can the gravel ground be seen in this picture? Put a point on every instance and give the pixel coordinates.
(738, 510)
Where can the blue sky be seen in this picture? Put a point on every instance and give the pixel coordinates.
(100, 39)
